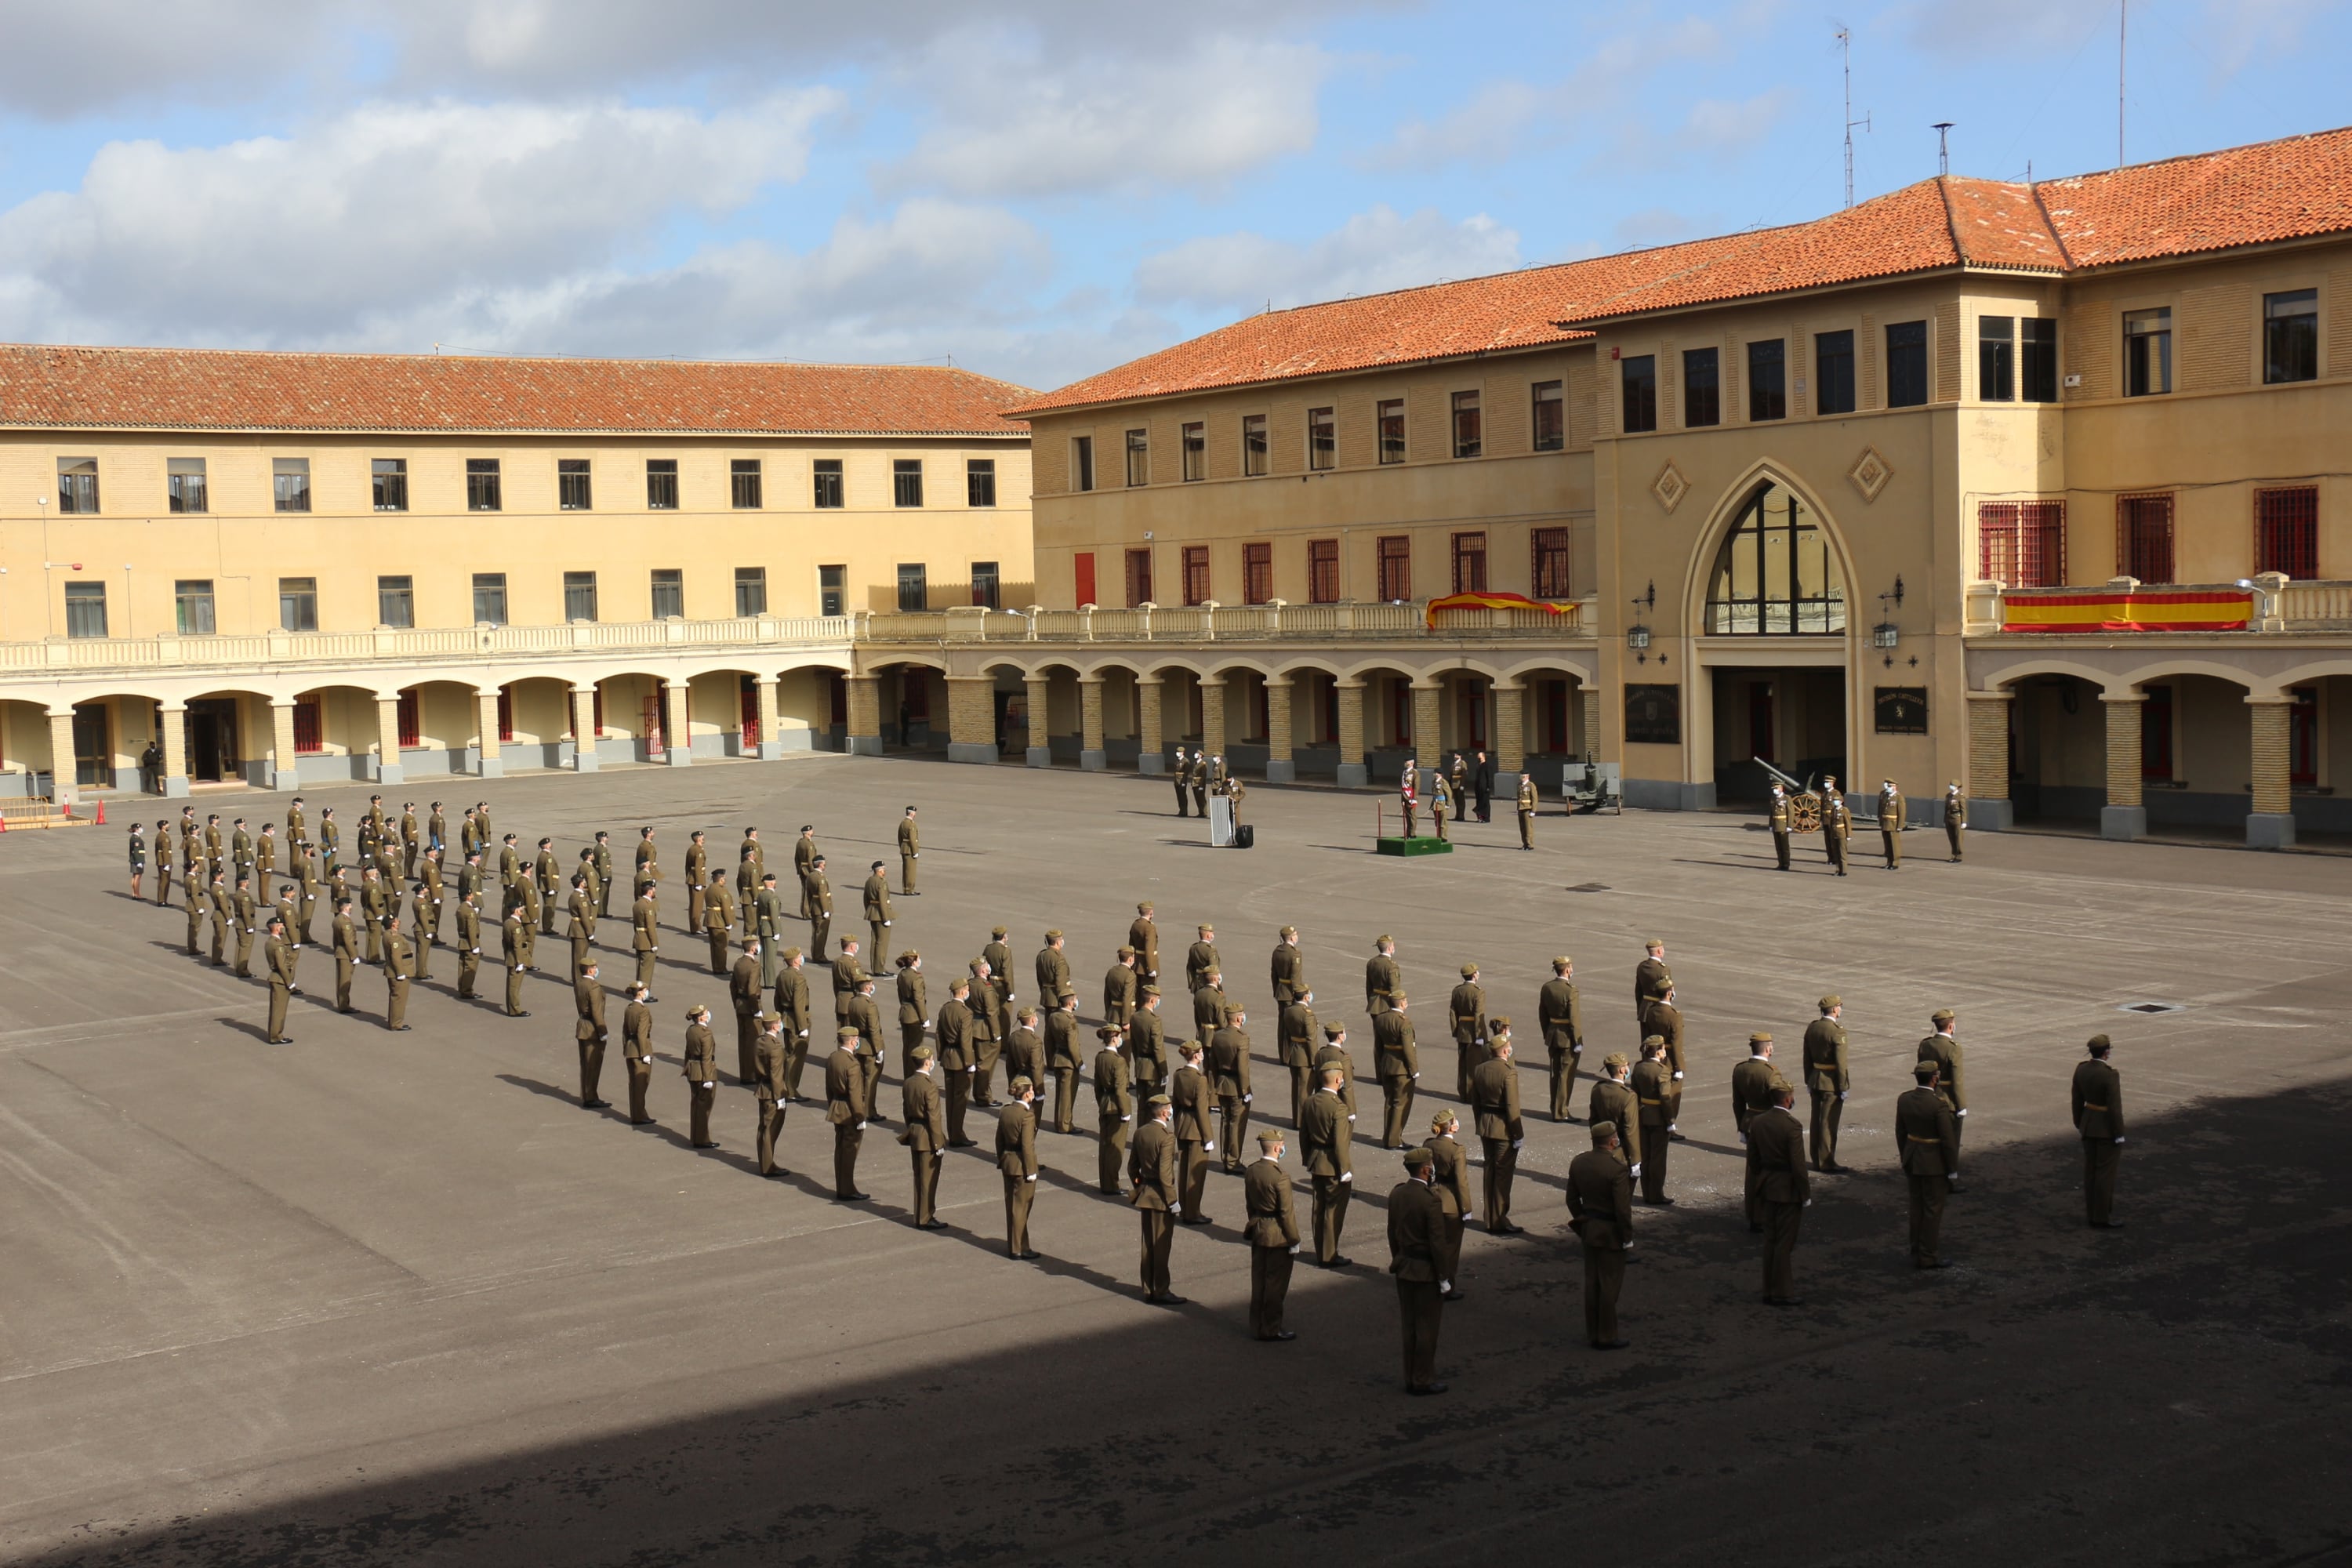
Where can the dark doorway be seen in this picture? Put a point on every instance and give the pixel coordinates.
(212, 739)
(93, 758)
(1759, 722)
(1793, 718)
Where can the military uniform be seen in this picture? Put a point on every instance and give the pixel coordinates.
(1017, 1161)
(1152, 1190)
(1147, 1050)
(1196, 1135)
(910, 850)
(347, 956)
(1776, 1166)
(1065, 1061)
(768, 1089)
(1652, 981)
(719, 923)
(1650, 1083)
(954, 1030)
(1527, 810)
(701, 1070)
(1327, 1139)
(1495, 1103)
(2097, 1095)
(1287, 969)
(697, 879)
(1114, 1110)
(876, 901)
(743, 991)
(1614, 1103)
(1956, 819)
(1837, 826)
(1416, 1221)
(1927, 1139)
(1271, 1229)
(848, 1101)
(1890, 826)
(1054, 986)
(515, 942)
(1119, 986)
(926, 1138)
(1144, 937)
(589, 1034)
(1466, 1011)
(469, 949)
(279, 958)
(1295, 1035)
(1449, 1178)
(1601, 1212)
(1228, 1063)
(1559, 1010)
(1382, 980)
(637, 1056)
(644, 939)
(1201, 961)
(792, 996)
(1827, 1082)
(768, 924)
(1396, 1058)
(816, 904)
(396, 974)
(1781, 816)
(914, 1012)
(1945, 1052)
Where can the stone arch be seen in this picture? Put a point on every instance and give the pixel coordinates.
(1729, 504)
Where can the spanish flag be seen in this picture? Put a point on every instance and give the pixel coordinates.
(2147, 611)
(1489, 602)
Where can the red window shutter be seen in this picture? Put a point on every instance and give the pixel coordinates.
(1086, 574)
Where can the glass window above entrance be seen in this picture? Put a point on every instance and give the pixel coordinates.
(1775, 574)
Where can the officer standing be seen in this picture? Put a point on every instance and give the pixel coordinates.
(1416, 1217)
(1271, 1229)
(1147, 1045)
(1196, 1130)
(1144, 937)
(1326, 1138)
(876, 901)
(1296, 1038)
(1559, 1010)
(1114, 1108)
(1396, 1058)
(926, 1138)
(469, 944)
(719, 921)
(768, 1087)
(1466, 1009)
(398, 970)
(914, 1008)
(1649, 1084)
(637, 1051)
(1927, 1139)
(280, 958)
(1827, 1082)
(1495, 1101)
(768, 924)
(816, 895)
(1601, 1210)
(1450, 1179)
(1776, 1166)
(1287, 967)
(743, 990)
(1181, 775)
(910, 850)
(1118, 989)
(347, 951)
(1526, 809)
(701, 1069)
(1779, 816)
(588, 999)
(1152, 1190)
(1890, 823)
(2098, 1104)
(698, 877)
(1942, 1049)
(1955, 817)
(1228, 1059)
(848, 1100)
(1837, 823)
(1017, 1161)
(1613, 1101)
(645, 938)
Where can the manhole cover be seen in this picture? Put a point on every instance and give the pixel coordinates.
(2150, 1008)
(1589, 888)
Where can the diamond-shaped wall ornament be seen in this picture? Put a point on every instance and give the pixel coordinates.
(1870, 473)
(1670, 487)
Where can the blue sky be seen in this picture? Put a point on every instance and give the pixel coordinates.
(1038, 190)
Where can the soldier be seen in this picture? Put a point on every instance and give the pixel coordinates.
(990, 1024)
(524, 894)
(1827, 1080)
(600, 856)
(719, 921)
(701, 1069)
(295, 834)
(791, 995)
(877, 910)
(1890, 823)
(1209, 1007)
(1271, 1229)
(1753, 1082)
(954, 1030)
(1928, 1140)
(750, 865)
(1114, 1107)
(768, 1089)
(1495, 1101)
(162, 864)
(420, 933)
(1200, 782)
(2098, 1105)
(645, 938)
(1327, 1139)
(1416, 1226)
(847, 971)
(1942, 1049)
(743, 990)
(588, 1002)
(804, 854)
(283, 911)
(848, 1100)
(647, 862)
(926, 1138)
(436, 830)
(1196, 1129)
(1837, 823)
(512, 869)
(1559, 1010)
(306, 878)
(1016, 1159)
(1064, 1061)
(1450, 1179)
(1780, 816)
(244, 914)
(1776, 1167)
(1382, 977)
(1666, 1021)
(910, 850)
(1000, 971)
(265, 852)
(372, 911)
(1440, 802)
(768, 924)
(1613, 1101)
(1201, 961)
(866, 1018)
(1955, 817)
(1526, 808)
(697, 879)
(585, 878)
(637, 1051)
(279, 958)
(1181, 775)
(816, 904)
(1118, 989)
(1296, 1036)
(1228, 1063)
(1652, 981)
(1335, 1053)
(1053, 987)
(240, 849)
(1457, 778)
(410, 840)
(396, 973)
(347, 954)
(330, 841)
(469, 944)
(1153, 1192)
(1409, 794)
(1147, 1045)
(547, 876)
(1289, 967)
(1600, 1209)
(1396, 1058)
(429, 891)
(914, 1008)
(514, 941)
(1650, 1082)
(1466, 1011)
(1144, 937)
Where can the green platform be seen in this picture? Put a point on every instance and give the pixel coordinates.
(1415, 846)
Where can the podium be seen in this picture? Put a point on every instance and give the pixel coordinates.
(1417, 845)
(1221, 822)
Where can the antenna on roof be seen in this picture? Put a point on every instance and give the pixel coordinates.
(1943, 129)
(1845, 46)
(2123, 37)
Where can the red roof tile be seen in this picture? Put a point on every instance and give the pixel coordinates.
(213, 389)
(2210, 201)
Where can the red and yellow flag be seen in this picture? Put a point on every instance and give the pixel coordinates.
(1489, 601)
(2156, 610)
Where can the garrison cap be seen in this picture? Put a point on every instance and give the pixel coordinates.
(1653, 941)
(1419, 1158)
(2099, 1043)
(1940, 1015)
(1052, 936)
(1335, 1031)
(1758, 1038)
(1144, 908)
(768, 1019)
(1287, 931)
(1109, 1032)
(1020, 1081)
(1603, 1131)
(789, 954)
(996, 931)
(1468, 970)
(847, 1032)
(1159, 1100)
(1924, 1070)
(1444, 1120)
(1149, 991)
(921, 1053)
(1271, 1138)
(1649, 1040)
(908, 957)
(1832, 1000)
(1613, 1060)
(1126, 951)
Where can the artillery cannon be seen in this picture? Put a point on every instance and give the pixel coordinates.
(1804, 800)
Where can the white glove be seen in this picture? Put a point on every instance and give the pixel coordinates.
(1293, 1249)
(1636, 1170)
(1247, 1098)
(1959, 1113)
(1809, 1202)
(1347, 1176)
(1032, 1177)
(1175, 1209)
(1208, 1148)
(1953, 1177)
(861, 1127)
(1446, 1284)
(713, 1084)
(1351, 1116)
(1678, 1077)
(1416, 1078)
(2118, 1139)
(886, 924)
(1841, 1094)
(1518, 1143)
(1130, 1118)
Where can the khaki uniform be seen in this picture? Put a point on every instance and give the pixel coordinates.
(1495, 1103)
(743, 991)
(1890, 827)
(1650, 1083)
(1144, 937)
(1614, 1102)
(1120, 987)
(926, 1138)
(1396, 1060)
(347, 957)
(1152, 1190)
(768, 1089)
(1956, 821)
(701, 1072)
(637, 1058)
(1296, 1033)
(396, 974)
(698, 887)
(719, 924)
(1271, 1228)
(1114, 1115)
(2098, 1104)
(1776, 1168)
(1527, 810)
(279, 958)
(1196, 1135)
(469, 949)
(791, 995)
(848, 1105)
(1927, 1139)
(878, 915)
(588, 1000)
(1017, 1161)
(1827, 1082)
(1416, 1224)
(1559, 1010)
(1781, 816)
(1065, 1060)
(1945, 1052)
(1325, 1138)
(910, 850)
(1837, 829)
(514, 944)
(644, 939)
(1600, 1211)
(1449, 1178)
(1227, 1060)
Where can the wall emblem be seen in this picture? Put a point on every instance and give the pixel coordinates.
(1670, 487)
(1870, 473)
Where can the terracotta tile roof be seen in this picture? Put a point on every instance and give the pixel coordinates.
(2247, 195)
(213, 389)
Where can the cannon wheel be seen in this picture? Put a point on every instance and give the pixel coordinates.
(1805, 813)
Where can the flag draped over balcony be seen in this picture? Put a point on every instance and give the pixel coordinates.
(2156, 610)
(1483, 601)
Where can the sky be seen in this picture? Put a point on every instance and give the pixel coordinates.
(1037, 189)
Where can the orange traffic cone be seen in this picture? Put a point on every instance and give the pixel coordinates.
(100, 819)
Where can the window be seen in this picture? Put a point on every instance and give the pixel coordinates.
(2022, 544)
(1082, 461)
(490, 598)
(482, 484)
(2291, 336)
(1833, 373)
(986, 588)
(1639, 376)
(907, 481)
(2303, 736)
(184, 481)
(2156, 733)
(1996, 358)
(1470, 562)
(77, 485)
(395, 601)
(1195, 451)
(831, 590)
(1082, 568)
(580, 596)
(1466, 434)
(1702, 397)
(2287, 531)
(980, 481)
(914, 586)
(298, 604)
(310, 726)
(388, 478)
(1549, 417)
(573, 489)
(1252, 443)
(1768, 380)
(1775, 572)
(1196, 574)
(1550, 566)
(661, 484)
(743, 483)
(825, 480)
(669, 593)
(1395, 559)
(409, 718)
(85, 609)
(1257, 573)
(1139, 457)
(2148, 352)
(1322, 439)
(1139, 578)
(2144, 537)
(1389, 415)
(1323, 571)
(290, 483)
(2037, 360)
(751, 588)
(1906, 364)
(194, 598)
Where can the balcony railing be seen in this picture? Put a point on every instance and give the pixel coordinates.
(2271, 602)
(1226, 623)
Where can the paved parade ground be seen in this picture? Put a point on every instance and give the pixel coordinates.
(369, 1298)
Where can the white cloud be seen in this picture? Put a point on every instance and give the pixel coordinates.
(1714, 125)
(1372, 251)
(62, 58)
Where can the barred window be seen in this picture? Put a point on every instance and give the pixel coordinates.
(2022, 544)
(1551, 573)
(1323, 571)
(2144, 537)
(2286, 530)
(1257, 573)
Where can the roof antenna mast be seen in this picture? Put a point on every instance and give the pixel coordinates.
(2123, 38)
(1846, 46)
(1943, 129)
